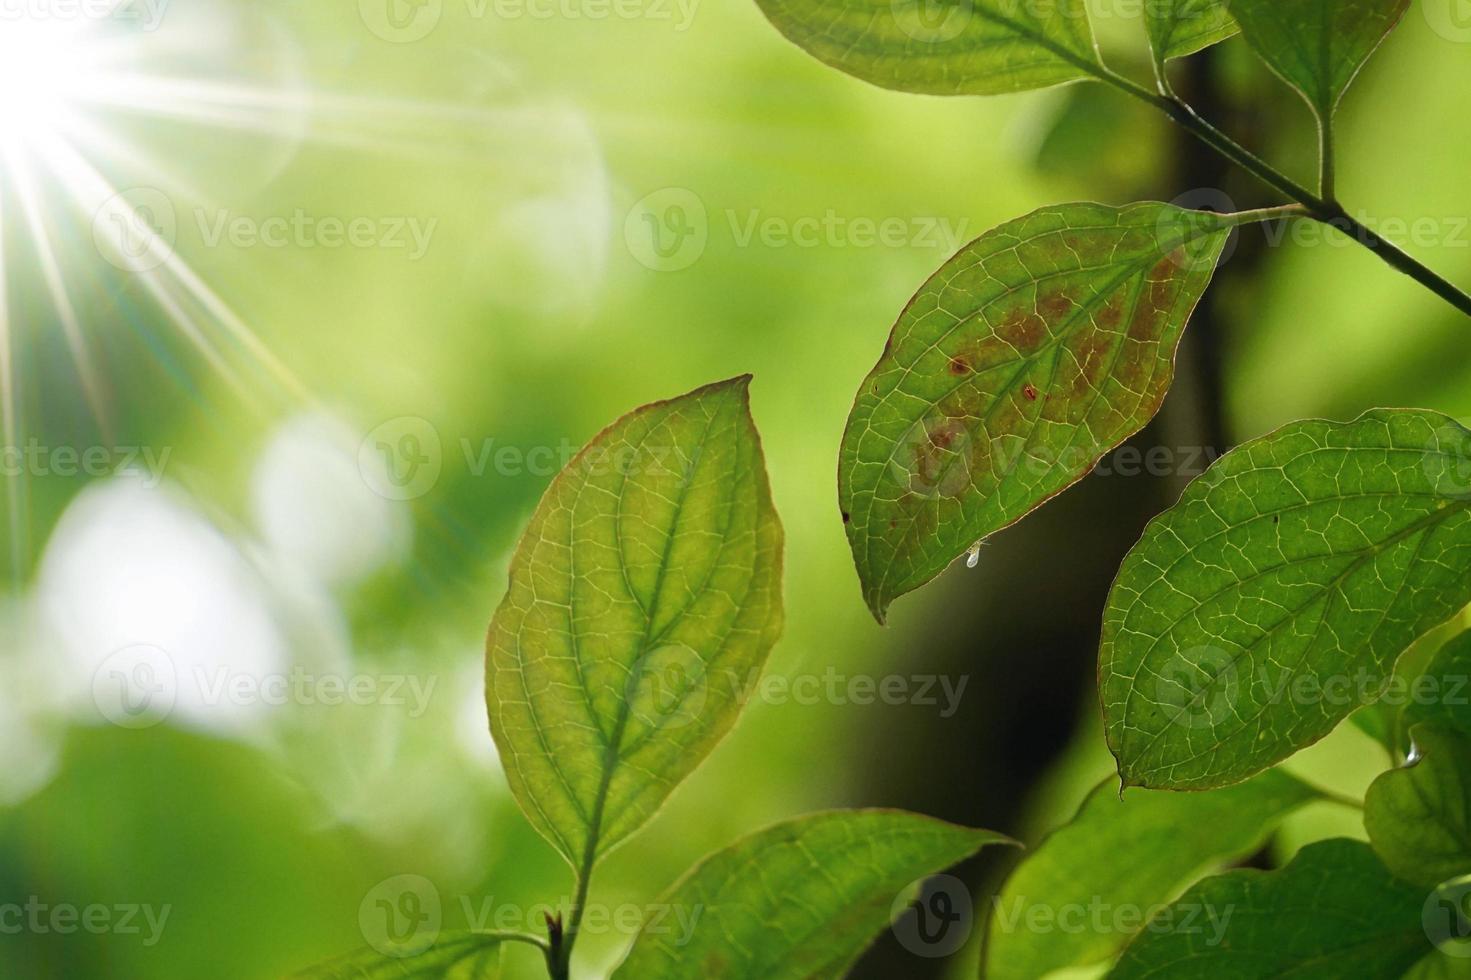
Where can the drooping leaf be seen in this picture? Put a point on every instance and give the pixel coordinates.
(1333, 912)
(1275, 597)
(1038, 348)
(943, 47)
(1317, 46)
(802, 899)
(644, 595)
(1182, 27)
(1441, 696)
(1419, 817)
(1119, 859)
(454, 956)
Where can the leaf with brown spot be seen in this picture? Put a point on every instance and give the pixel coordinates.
(1067, 321)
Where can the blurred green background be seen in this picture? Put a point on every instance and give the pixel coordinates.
(616, 203)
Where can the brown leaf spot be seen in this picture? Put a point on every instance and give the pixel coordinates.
(958, 365)
(1023, 331)
(1055, 305)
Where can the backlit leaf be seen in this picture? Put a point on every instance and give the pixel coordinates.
(454, 956)
(802, 899)
(1078, 897)
(1317, 46)
(1333, 912)
(1274, 599)
(944, 47)
(1419, 817)
(1181, 27)
(644, 596)
(1038, 348)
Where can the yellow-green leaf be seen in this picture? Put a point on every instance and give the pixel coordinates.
(802, 899)
(945, 47)
(644, 597)
(1038, 348)
(1274, 599)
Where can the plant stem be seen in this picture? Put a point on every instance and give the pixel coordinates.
(1326, 167)
(1268, 214)
(559, 957)
(1397, 258)
(1322, 208)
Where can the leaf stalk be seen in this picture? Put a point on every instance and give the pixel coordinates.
(1322, 207)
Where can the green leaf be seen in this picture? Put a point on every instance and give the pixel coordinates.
(1317, 46)
(454, 956)
(944, 47)
(802, 899)
(1038, 348)
(1333, 912)
(1442, 965)
(1275, 597)
(1419, 817)
(644, 597)
(1182, 27)
(1441, 696)
(1091, 884)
